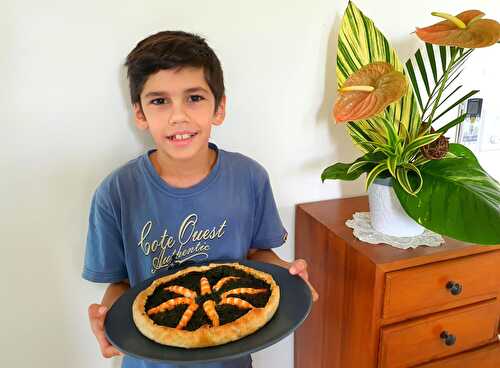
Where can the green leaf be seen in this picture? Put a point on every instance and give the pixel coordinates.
(450, 155)
(413, 79)
(392, 163)
(404, 180)
(456, 103)
(425, 64)
(442, 53)
(419, 142)
(459, 199)
(355, 166)
(376, 171)
(403, 132)
(385, 148)
(420, 160)
(432, 60)
(362, 144)
(360, 138)
(341, 170)
(462, 152)
(392, 134)
(423, 72)
(450, 94)
(451, 124)
(399, 149)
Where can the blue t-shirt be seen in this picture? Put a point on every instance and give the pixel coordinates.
(139, 225)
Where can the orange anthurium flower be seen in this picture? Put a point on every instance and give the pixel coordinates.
(368, 92)
(466, 30)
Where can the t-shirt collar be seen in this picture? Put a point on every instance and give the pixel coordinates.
(150, 171)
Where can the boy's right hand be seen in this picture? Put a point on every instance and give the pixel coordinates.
(97, 314)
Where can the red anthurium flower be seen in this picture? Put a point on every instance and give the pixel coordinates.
(368, 92)
(466, 30)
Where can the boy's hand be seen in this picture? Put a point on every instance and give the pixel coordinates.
(97, 314)
(299, 267)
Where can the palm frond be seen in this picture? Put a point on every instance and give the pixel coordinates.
(427, 81)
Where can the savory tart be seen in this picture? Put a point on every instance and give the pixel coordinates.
(204, 306)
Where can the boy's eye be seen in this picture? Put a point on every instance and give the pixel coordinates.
(195, 98)
(158, 101)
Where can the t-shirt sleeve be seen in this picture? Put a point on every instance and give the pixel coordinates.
(104, 254)
(269, 231)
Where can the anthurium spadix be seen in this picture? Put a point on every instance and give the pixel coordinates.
(368, 91)
(465, 30)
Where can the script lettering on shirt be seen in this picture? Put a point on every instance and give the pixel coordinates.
(184, 254)
(188, 232)
(190, 242)
(165, 241)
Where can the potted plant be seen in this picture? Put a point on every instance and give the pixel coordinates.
(394, 114)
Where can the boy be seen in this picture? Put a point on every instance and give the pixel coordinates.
(186, 200)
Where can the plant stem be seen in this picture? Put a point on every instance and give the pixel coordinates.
(454, 52)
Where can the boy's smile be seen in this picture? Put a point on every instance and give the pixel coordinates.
(182, 137)
(178, 109)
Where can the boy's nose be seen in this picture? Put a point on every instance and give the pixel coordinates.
(178, 114)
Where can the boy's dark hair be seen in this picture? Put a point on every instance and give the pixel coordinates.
(170, 50)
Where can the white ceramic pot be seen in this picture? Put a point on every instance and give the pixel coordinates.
(387, 215)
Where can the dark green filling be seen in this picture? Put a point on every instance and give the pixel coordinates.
(169, 318)
(199, 319)
(227, 313)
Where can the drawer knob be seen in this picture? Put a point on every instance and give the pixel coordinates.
(448, 338)
(454, 287)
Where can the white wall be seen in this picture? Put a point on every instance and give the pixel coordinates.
(480, 75)
(66, 124)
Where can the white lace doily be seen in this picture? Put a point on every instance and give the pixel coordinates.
(363, 230)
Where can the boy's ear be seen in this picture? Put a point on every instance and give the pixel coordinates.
(139, 117)
(220, 114)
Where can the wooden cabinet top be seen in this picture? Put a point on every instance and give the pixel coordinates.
(334, 213)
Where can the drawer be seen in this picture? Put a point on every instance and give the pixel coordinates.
(421, 340)
(486, 357)
(412, 291)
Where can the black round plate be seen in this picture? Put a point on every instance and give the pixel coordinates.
(295, 305)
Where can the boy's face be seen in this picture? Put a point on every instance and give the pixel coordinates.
(178, 110)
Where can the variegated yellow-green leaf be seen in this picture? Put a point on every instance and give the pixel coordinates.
(385, 148)
(403, 179)
(392, 163)
(419, 142)
(361, 43)
(374, 173)
(358, 165)
(391, 133)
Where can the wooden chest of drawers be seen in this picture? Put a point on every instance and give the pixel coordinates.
(382, 307)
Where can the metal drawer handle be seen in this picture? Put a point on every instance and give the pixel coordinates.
(454, 287)
(449, 339)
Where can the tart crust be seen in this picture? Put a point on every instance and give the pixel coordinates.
(205, 335)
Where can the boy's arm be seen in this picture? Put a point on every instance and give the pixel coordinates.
(297, 267)
(267, 256)
(113, 292)
(97, 314)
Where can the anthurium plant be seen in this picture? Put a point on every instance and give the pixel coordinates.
(394, 113)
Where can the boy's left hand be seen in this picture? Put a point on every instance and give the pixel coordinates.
(299, 267)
